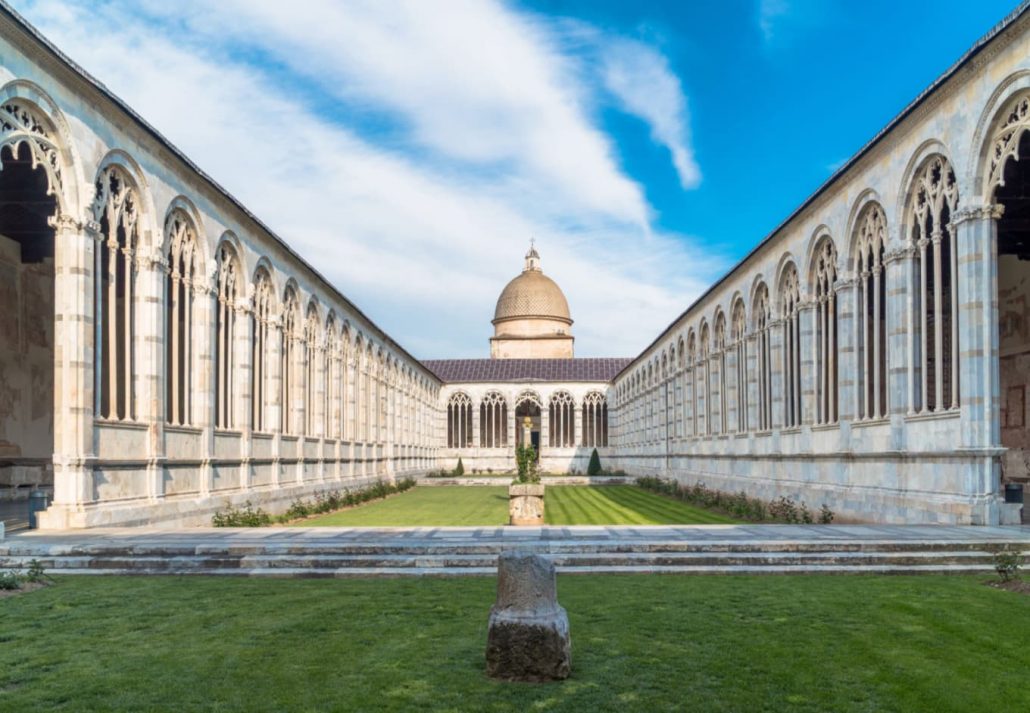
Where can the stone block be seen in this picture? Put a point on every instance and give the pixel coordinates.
(528, 638)
(526, 504)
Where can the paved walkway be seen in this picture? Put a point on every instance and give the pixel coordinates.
(610, 535)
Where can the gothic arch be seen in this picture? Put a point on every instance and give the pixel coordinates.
(985, 162)
(51, 143)
(121, 162)
(183, 206)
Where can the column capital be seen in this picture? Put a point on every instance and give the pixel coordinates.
(906, 252)
(992, 211)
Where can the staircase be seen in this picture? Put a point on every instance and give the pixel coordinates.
(397, 554)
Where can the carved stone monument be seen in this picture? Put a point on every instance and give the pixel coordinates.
(528, 637)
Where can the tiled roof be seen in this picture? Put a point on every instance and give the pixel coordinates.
(481, 370)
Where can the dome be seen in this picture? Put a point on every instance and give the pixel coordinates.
(532, 294)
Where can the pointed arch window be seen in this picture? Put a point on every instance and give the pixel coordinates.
(330, 387)
(182, 273)
(561, 413)
(762, 316)
(493, 421)
(261, 319)
(116, 210)
(288, 353)
(739, 334)
(691, 382)
(720, 351)
(870, 245)
(704, 384)
(459, 421)
(313, 366)
(791, 295)
(825, 281)
(934, 201)
(225, 331)
(595, 420)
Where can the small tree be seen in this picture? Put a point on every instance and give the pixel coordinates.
(594, 468)
(525, 461)
(459, 469)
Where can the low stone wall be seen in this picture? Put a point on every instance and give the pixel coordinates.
(193, 511)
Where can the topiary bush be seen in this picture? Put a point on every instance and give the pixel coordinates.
(594, 468)
(459, 469)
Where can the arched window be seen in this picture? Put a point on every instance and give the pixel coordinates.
(261, 318)
(595, 420)
(761, 316)
(116, 210)
(358, 382)
(182, 273)
(825, 280)
(288, 359)
(346, 428)
(934, 201)
(870, 244)
(691, 381)
(719, 345)
(681, 356)
(459, 421)
(739, 327)
(791, 295)
(313, 364)
(562, 420)
(331, 385)
(493, 421)
(704, 384)
(225, 331)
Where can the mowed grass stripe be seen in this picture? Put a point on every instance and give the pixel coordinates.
(604, 504)
(648, 510)
(665, 510)
(477, 506)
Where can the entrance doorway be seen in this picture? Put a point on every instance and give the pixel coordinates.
(531, 410)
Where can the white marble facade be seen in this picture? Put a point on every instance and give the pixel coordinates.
(870, 353)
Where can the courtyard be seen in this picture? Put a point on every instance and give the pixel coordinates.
(469, 506)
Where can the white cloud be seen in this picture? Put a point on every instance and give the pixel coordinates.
(770, 12)
(641, 79)
(422, 230)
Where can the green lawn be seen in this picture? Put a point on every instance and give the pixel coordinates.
(640, 643)
(457, 505)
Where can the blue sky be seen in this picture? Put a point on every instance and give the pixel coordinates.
(410, 149)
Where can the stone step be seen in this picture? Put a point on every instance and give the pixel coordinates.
(308, 572)
(687, 561)
(27, 547)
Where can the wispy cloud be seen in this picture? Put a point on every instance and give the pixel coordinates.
(641, 79)
(490, 141)
(770, 12)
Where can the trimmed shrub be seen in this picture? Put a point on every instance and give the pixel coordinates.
(739, 505)
(459, 469)
(594, 468)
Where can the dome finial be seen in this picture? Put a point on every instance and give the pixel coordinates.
(532, 257)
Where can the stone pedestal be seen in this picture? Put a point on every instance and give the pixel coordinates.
(528, 637)
(526, 504)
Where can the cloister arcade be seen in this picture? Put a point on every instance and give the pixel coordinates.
(878, 346)
(194, 361)
(485, 423)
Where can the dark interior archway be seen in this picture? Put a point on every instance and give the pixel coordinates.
(26, 327)
(1014, 312)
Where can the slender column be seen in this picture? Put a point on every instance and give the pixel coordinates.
(76, 248)
(862, 372)
(847, 355)
(923, 333)
(938, 323)
(877, 376)
(807, 317)
(241, 389)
